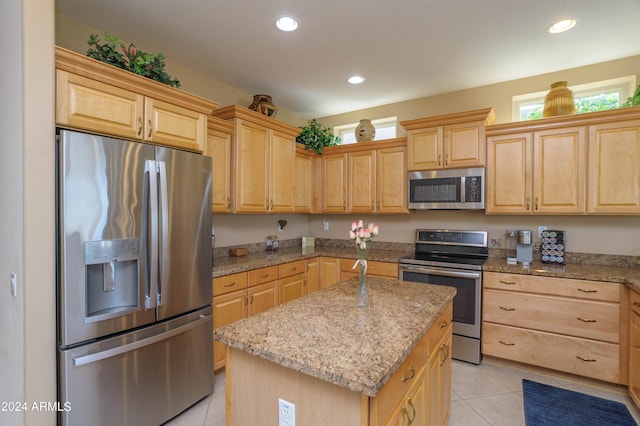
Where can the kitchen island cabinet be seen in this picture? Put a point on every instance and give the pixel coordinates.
(335, 361)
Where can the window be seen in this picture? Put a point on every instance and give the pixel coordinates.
(385, 129)
(597, 96)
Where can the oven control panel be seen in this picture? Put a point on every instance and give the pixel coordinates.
(452, 237)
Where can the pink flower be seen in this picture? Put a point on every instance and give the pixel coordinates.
(376, 230)
(354, 226)
(352, 235)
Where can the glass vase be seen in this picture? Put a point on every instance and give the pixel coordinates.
(362, 297)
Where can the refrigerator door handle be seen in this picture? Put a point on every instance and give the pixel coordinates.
(164, 234)
(152, 286)
(99, 356)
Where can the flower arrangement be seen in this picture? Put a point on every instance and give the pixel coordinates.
(362, 237)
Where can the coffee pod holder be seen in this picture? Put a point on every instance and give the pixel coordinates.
(553, 247)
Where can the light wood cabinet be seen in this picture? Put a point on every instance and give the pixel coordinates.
(94, 96)
(262, 297)
(541, 172)
(229, 305)
(263, 152)
(447, 141)
(219, 149)
(614, 168)
(573, 164)
(438, 376)
(365, 178)
(303, 181)
(313, 275)
(634, 346)
(377, 181)
(374, 268)
(334, 180)
(329, 271)
(563, 324)
(292, 280)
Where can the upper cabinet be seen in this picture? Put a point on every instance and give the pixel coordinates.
(576, 164)
(368, 177)
(263, 151)
(447, 141)
(94, 96)
(219, 149)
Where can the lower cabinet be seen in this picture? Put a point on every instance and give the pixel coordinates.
(329, 271)
(562, 324)
(374, 269)
(634, 346)
(292, 281)
(419, 392)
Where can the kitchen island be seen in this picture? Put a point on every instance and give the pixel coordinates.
(343, 365)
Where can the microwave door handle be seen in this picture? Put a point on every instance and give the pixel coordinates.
(442, 272)
(164, 235)
(152, 229)
(463, 185)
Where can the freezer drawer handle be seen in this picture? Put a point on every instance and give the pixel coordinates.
(99, 356)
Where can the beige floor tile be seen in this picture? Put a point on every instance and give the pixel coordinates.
(500, 410)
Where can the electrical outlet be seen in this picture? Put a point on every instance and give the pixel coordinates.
(495, 242)
(286, 413)
(540, 229)
(325, 224)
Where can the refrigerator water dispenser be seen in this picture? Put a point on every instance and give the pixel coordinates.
(112, 278)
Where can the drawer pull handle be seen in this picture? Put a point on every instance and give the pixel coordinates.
(586, 319)
(507, 309)
(507, 343)
(585, 359)
(636, 304)
(444, 324)
(231, 284)
(264, 276)
(413, 410)
(587, 290)
(412, 374)
(508, 282)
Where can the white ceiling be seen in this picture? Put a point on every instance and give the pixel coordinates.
(406, 49)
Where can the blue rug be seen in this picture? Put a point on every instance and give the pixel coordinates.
(546, 405)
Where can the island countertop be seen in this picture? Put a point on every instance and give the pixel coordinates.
(327, 337)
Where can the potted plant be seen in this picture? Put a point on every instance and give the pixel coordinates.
(315, 137)
(114, 52)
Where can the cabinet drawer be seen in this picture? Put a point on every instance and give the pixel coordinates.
(573, 355)
(583, 289)
(589, 319)
(229, 283)
(292, 268)
(398, 385)
(374, 267)
(263, 275)
(439, 327)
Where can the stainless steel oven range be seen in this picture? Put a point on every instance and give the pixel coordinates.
(453, 258)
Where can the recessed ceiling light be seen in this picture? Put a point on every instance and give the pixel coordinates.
(286, 23)
(355, 79)
(562, 26)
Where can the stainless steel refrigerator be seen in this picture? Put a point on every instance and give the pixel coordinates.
(134, 280)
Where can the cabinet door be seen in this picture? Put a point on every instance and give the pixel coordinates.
(413, 409)
(291, 288)
(335, 183)
(391, 180)
(280, 172)
(302, 183)
(559, 171)
(362, 182)
(91, 105)
(614, 168)
(174, 126)
(464, 145)
(634, 346)
(262, 297)
(438, 404)
(227, 309)
(219, 149)
(251, 157)
(329, 271)
(313, 276)
(424, 148)
(508, 174)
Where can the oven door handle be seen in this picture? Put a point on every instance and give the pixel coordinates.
(442, 272)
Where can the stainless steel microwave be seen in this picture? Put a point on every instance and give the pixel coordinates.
(447, 189)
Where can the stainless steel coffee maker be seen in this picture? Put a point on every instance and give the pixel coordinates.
(524, 248)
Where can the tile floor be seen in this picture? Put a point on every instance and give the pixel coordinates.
(489, 394)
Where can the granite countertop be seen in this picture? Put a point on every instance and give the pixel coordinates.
(227, 265)
(327, 337)
(582, 271)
